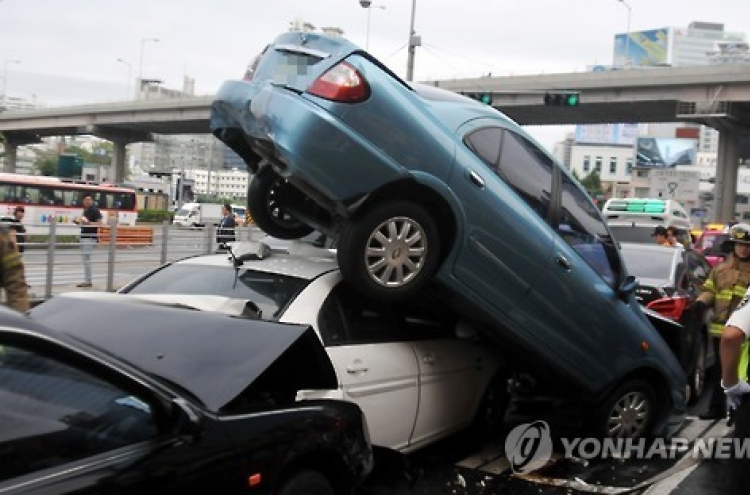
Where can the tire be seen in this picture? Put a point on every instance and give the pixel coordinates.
(268, 197)
(628, 412)
(489, 419)
(373, 250)
(307, 482)
(697, 378)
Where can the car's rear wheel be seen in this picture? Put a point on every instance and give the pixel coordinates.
(389, 251)
(307, 482)
(269, 197)
(628, 412)
(697, 379)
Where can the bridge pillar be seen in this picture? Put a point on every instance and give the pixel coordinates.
(118, 161)
(11, 157)
(727, 165)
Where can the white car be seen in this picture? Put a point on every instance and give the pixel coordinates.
(417, 372)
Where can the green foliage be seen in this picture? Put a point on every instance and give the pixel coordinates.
(154, 216)
(592, 183)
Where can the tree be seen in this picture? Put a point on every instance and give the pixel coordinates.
(46, 162)
(592, 183)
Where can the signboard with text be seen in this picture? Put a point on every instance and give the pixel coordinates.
(680, 185)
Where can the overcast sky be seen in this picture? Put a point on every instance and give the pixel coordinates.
(68, 49)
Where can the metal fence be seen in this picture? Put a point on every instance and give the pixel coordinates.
(54, 264)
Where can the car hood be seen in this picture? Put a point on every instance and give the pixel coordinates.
(213, 356)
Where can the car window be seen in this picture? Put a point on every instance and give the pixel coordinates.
(52, 413)
(348, 318)
(583, 228)
(518, 162)
(647, 263)
(270, 292)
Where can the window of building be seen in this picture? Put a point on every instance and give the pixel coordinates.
(598, 164)
(586, 163)
(613, 165)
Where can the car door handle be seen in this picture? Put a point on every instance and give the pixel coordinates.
(563, 262)
(356, 368)
(476, 179)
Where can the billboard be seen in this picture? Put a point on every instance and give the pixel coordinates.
(682, 185)
(665, 152)
(606, 133)
(642, 48)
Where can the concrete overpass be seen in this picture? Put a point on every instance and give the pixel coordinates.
(717, 96)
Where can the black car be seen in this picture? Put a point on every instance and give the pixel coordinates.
(102, 396)
(670, 280)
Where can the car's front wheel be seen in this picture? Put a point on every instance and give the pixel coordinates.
(697, 379)
(269, 197)
(389, 251)
(628, 412)
(307, 482)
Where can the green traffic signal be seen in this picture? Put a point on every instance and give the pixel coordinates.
(486, 98)
(563, 99)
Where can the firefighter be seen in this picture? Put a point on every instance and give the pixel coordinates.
(13, 276)
(723, 290)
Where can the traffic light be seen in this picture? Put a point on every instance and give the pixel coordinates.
(485, 98)
(563, 99)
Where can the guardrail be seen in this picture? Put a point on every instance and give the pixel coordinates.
(53, 263)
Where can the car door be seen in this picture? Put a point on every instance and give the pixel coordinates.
(376, 366)
(501, 254)
(453, 375)
(65, 428)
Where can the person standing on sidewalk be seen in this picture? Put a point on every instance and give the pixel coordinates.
(89, 222)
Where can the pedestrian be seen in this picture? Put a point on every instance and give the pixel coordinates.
(17, 226)
(672, 236)
(660, 235)
(722, 292)
(89, 222)
(12, 278)
(227, 226)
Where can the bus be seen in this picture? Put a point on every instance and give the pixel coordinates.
(48, 198)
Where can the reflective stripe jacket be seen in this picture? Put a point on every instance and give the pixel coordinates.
(12, 276)
(725, 287)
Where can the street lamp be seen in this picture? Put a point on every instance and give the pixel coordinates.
(5, 75)
(369, 6)
(414, 42)
(130, 67)
(143, 46)
(627, 34)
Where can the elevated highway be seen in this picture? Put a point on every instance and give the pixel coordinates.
(717, 96)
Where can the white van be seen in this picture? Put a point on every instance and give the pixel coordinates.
(634, 219)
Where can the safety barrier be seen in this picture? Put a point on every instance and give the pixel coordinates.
(128, 236)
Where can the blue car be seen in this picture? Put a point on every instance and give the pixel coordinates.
(425, 189)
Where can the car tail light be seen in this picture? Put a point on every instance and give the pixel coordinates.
(671, 307)
(341, 83)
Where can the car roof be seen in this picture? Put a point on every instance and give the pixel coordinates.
(291, 258)
(191, 348)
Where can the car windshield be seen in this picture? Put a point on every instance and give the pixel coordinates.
(269, 291)
(648, 263)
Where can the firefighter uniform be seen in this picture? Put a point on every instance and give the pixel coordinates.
(722, 292)
(12, 278)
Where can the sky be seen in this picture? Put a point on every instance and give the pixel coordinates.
(67, 51)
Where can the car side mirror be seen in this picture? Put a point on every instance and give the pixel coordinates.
(187, 420)
(627, 287)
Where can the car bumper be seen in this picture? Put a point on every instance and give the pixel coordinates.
(304, 142)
